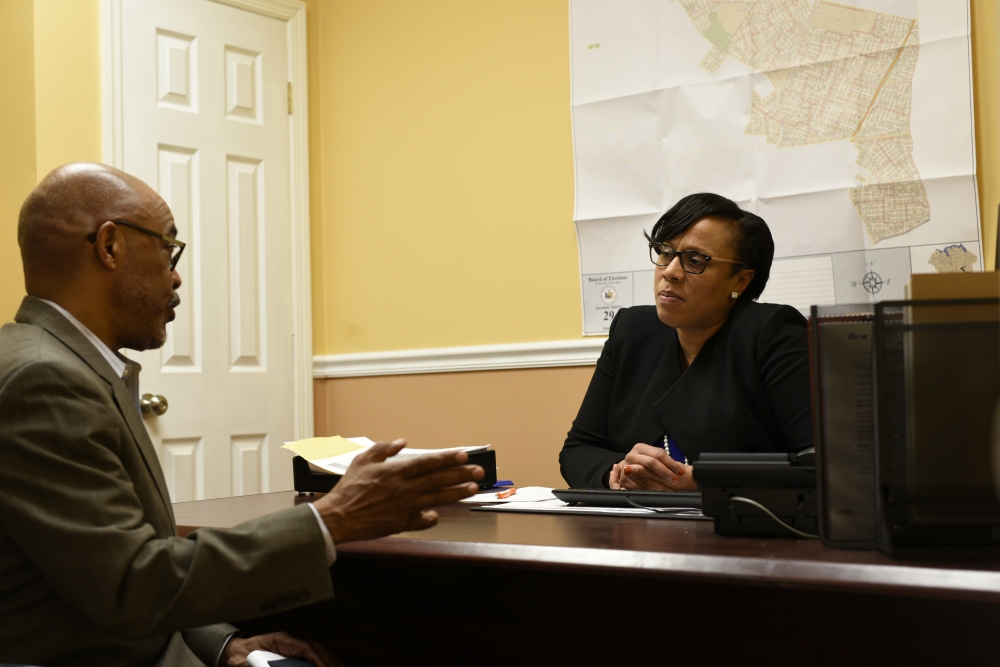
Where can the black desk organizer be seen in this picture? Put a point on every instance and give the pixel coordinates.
(937, 382)
(307, 481)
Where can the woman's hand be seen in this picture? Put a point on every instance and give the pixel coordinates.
(614, 479)
(651, 469)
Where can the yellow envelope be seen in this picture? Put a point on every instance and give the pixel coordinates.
(314, 449)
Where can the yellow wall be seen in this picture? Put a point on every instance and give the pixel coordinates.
(67, 82)
(50, 112)
(986, 86)
(447, 175)
(446, 185)
(441, 158)
(17, 142)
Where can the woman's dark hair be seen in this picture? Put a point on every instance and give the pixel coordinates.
(750, 235)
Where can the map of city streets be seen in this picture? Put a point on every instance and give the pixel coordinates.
(847, 126)
(838, 73)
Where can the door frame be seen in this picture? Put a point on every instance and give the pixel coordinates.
(293, 13)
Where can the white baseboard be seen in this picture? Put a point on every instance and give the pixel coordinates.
(547, 354)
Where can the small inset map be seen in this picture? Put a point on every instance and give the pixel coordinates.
(953, 259)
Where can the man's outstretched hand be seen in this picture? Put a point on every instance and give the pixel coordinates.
(378, 497)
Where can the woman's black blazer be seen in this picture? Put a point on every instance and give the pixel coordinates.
(747, 391)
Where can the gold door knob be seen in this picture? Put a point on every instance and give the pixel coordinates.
(153, 405)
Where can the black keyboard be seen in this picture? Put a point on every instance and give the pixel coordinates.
(609, 498)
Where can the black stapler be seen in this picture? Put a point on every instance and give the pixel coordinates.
(308, 480)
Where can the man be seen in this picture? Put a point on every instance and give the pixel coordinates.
(91, 569)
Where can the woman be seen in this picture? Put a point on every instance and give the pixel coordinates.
(706, 370)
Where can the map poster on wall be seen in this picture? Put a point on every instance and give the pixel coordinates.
(847, 126)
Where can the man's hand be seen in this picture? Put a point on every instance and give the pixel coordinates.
(378, 497)
(651, 469)
(236, 651)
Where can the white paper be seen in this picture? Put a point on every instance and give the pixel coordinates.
(558, 506)
(852, 137)
(261, 658)
(264, 658)
(524, 494)
(339, 464)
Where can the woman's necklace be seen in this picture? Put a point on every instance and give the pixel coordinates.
(675, 451)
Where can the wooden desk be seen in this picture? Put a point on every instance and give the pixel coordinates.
(486, 588)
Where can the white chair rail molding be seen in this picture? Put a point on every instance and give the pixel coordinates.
(547, 354)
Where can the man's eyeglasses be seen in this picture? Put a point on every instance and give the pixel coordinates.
(176, 247)
(692, 261)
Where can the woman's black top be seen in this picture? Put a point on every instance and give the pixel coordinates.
(747, 391)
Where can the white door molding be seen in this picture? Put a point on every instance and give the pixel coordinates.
(293, 13)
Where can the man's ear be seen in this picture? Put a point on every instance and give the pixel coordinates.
(108, 245)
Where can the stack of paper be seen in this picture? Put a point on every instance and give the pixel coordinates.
(335, 454)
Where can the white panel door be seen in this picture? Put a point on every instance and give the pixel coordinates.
(205, 122)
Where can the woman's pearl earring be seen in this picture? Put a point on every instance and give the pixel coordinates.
(734, 295)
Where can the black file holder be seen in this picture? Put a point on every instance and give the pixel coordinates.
(841, 341)
(937, 382)
(307, 481)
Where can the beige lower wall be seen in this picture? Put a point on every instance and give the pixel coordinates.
(524, 414)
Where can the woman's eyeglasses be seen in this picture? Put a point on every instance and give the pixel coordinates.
(692, 261)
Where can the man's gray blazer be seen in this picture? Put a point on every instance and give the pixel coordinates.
(91, 569)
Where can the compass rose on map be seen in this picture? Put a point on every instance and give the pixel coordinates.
(872, 282)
